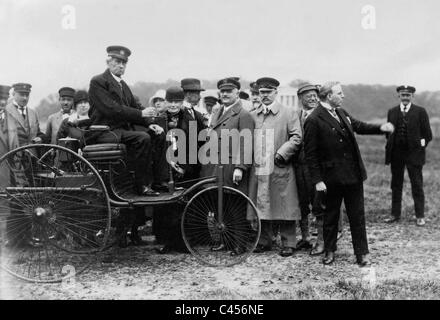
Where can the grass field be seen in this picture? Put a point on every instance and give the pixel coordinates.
(405, 259)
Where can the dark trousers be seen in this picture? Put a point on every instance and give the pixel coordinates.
(398, 164)
(353, 196)
(306, 197)
(166, 225)
(147, 152)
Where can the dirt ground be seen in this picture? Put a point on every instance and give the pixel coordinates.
(405, 261)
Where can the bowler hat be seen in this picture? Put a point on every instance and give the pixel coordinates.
(174, 94)
(191, 84)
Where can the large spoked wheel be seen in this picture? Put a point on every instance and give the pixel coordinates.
(220, 240)
(54, 209)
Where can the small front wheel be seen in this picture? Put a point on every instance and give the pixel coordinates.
(220, 240)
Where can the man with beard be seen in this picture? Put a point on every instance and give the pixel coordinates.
(406, 148)
(275, 192)
(336, 167)
(112, 104)
(308, 97)
(56, 119)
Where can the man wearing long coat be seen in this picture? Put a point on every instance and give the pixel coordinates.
(230, 116)
(272, 184)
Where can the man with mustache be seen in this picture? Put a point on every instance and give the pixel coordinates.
(336, 167)
(112, 103)
(56, 119)
(406, 148)
(255, 95)
(275, 192)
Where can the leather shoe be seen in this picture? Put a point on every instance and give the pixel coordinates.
(164, 250)
(220, 247)
(392, 220)
(260, 249)
(147, 191)
(304, 244)
(420, 222)
(317, 249)
(237, 251)
(329, 258)
(162, 187)
(136, 239)
(287, 252)
(362, 260)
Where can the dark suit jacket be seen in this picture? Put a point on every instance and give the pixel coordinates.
(323, 145)
(418, 128)
(109, 107)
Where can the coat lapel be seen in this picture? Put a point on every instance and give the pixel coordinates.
(114, 85)
(325, 115)
(13, 112)
(227, 115)
(345, 120)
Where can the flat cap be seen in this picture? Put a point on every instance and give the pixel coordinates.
(268, 83)
(307, 87)
(210, 100)
(4, 91)
(228, 83)
(406, 88)
(174, 94)
(81, 95)
(119, 52)
(191, 84)
(66, 92)
(22, 87)
(243, 95)
(254, 87)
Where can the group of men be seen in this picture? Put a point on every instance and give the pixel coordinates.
(314, 158)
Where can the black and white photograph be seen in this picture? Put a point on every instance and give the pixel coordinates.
(219, 154)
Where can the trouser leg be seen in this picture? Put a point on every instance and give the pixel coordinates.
(331, 217)
(266, 233)
(397, 173)
(304, 198)
(416, 178)
(160, 164)
(354, 203)
(288, 234)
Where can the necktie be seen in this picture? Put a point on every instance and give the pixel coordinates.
(191, 112)
(405, 110)
(334, 114)
(22, 112)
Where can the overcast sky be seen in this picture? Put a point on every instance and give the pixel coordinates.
(208, 39)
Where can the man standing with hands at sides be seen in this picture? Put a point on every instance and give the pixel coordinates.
(406, 148)
(336, 167)
(275, 192)
(112, 104)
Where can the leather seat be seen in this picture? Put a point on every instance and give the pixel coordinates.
(104, 152)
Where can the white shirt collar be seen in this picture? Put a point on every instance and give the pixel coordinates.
(118, 79)
(402, 107)
(230, 106)
(20, 108)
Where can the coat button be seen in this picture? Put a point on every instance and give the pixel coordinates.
(340, 140)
